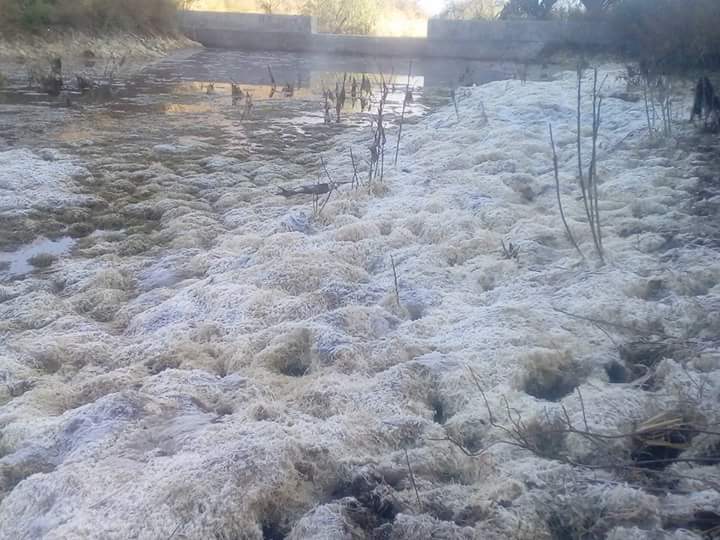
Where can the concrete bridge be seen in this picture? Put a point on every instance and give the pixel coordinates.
(470, 40)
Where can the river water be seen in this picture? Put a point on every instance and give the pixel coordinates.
(187, 353)
(179, 115)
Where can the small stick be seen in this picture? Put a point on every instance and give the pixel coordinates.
(356, 177)
(557, 189)
(397, 289)
(454, 100)
(630, 329)
(325, 202)
(412, 480)
(322, 161)
(582, 406)
(402, 115)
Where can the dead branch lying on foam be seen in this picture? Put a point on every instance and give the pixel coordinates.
(650, 447)
(310, 189)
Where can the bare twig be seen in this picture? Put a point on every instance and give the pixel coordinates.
(402, 115)
(614, 325)
(327, 173)
(592, 172)
(582, 406)
(356, 177)
(273, 84)
(557, 190)
(395, 277)
(654, 432)
(453, 96)
(412, 480)
(319, 212)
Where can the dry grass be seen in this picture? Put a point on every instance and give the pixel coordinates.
(95, 15)
(42, 260)
(550, 375)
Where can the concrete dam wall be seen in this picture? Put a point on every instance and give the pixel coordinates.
(472, 40)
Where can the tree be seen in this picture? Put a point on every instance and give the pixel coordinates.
(535, 9)
(269, 6)
(596, 7)
(471, 9)
(344, 16)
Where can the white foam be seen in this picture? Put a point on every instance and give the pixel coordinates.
(288, 362)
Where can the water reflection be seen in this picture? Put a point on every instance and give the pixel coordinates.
(38, 253)
(168, 130)
(212, 73)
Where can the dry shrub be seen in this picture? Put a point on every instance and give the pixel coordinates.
(47, 359)
(660, 440)
(344, 16)
(289, 354)
(550, 374)
(42, 260)
(545, 437)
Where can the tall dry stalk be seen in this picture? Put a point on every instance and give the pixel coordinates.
(559, 200)
(453, 96)
(395, 278)
(377, 148)
(406, 99)
(356, 177)
(589, 184)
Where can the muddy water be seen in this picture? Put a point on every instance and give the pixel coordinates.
(148, 130)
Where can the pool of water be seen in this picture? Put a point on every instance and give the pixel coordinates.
(150, 135)
(39, 253)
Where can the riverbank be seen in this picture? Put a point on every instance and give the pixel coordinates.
(73, 44)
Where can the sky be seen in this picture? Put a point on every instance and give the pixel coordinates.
(433, 7)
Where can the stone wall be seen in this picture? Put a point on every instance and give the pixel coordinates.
(250, 31)
(473, 40)
(544, 32)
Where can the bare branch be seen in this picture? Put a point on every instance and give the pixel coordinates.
(412, 480)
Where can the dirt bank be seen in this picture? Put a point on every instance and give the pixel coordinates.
(29, 47)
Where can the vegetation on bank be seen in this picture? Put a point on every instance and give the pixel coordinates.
(680, 32)
(361, 17)
(96, 15)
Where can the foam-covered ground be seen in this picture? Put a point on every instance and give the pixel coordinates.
(253, 377)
